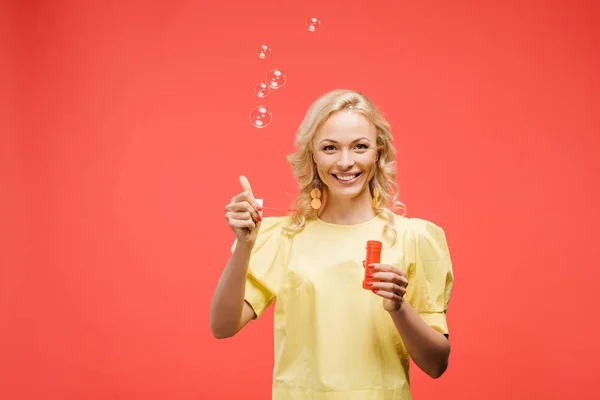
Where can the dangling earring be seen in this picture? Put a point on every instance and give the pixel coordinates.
(315, 194)
(375, 201)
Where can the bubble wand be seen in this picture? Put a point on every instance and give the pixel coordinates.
(260, 203)
(280, 209)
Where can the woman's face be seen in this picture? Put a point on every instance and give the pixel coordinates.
(345, 152)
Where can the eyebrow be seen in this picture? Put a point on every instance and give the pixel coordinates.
(333, 141)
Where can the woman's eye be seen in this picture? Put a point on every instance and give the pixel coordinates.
(362, 146)
(328, 148)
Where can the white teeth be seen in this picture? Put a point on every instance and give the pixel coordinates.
(346, 178)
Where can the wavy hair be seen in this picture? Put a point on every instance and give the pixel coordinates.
(305, 170)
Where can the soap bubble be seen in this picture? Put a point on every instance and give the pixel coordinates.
(313, 24)
(260, 116)
(262, 90)
(263, 51)
(276, 78)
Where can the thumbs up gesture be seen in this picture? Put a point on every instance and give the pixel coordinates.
(242, 213)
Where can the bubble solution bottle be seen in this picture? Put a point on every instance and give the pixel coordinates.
(373, 257)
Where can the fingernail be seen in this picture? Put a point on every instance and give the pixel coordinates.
(257, 207)
(369, 275)
(374, 290)
(258, 218)
(369, 284)
(371, 266)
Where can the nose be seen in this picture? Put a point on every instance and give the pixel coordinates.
(345, 161)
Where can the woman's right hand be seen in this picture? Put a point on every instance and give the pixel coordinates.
(242, 214)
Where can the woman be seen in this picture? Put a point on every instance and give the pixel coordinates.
(334, 339)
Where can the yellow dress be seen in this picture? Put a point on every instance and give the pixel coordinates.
(333, 340)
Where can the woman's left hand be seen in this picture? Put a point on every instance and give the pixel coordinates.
(391, 284)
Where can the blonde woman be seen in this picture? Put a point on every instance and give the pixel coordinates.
(334, 339)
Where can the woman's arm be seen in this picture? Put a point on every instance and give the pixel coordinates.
(429, 349)
(229, 313)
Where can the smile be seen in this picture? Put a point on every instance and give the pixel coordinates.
(346, 178)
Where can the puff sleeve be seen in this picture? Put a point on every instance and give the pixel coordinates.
(268, 262)
(429, 272)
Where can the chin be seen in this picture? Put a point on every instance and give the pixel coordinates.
(346, 190)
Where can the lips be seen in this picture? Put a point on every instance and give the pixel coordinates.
(346, 177)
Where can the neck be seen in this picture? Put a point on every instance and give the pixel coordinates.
(352, 211)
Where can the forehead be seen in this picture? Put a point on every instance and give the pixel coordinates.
(344, 126)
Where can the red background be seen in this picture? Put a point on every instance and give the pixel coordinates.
(126, 124)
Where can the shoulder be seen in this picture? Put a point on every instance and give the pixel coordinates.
(423, 227)
(429, 240)
(417, 226)
(422, 235)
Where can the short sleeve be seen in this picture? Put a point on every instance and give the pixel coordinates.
(429, 272)
(268, 262)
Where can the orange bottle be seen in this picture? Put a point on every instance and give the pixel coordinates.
(373, 256)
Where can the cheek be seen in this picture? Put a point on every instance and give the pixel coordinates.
(323, 163)
(369, 161)
(369, 165)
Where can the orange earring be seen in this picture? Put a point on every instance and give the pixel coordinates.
(315, 194)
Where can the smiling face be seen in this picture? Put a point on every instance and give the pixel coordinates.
(345, 152)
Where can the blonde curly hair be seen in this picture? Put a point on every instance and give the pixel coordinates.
(305, 170)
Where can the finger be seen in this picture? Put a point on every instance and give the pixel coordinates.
(245, 183)
(244, 215)
(388, 295)
(387, 268)
(245, 223)
(246, 187)
(238, 198)
(390, 277)
(389, 287)
(243, 206)
(241, 198)
(241, 203)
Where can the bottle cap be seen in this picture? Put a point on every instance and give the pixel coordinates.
(374, 245)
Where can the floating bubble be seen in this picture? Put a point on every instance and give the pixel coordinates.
(313, 24)
(276, 78)
(260, 116)
(263, 51)
(262, 90)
